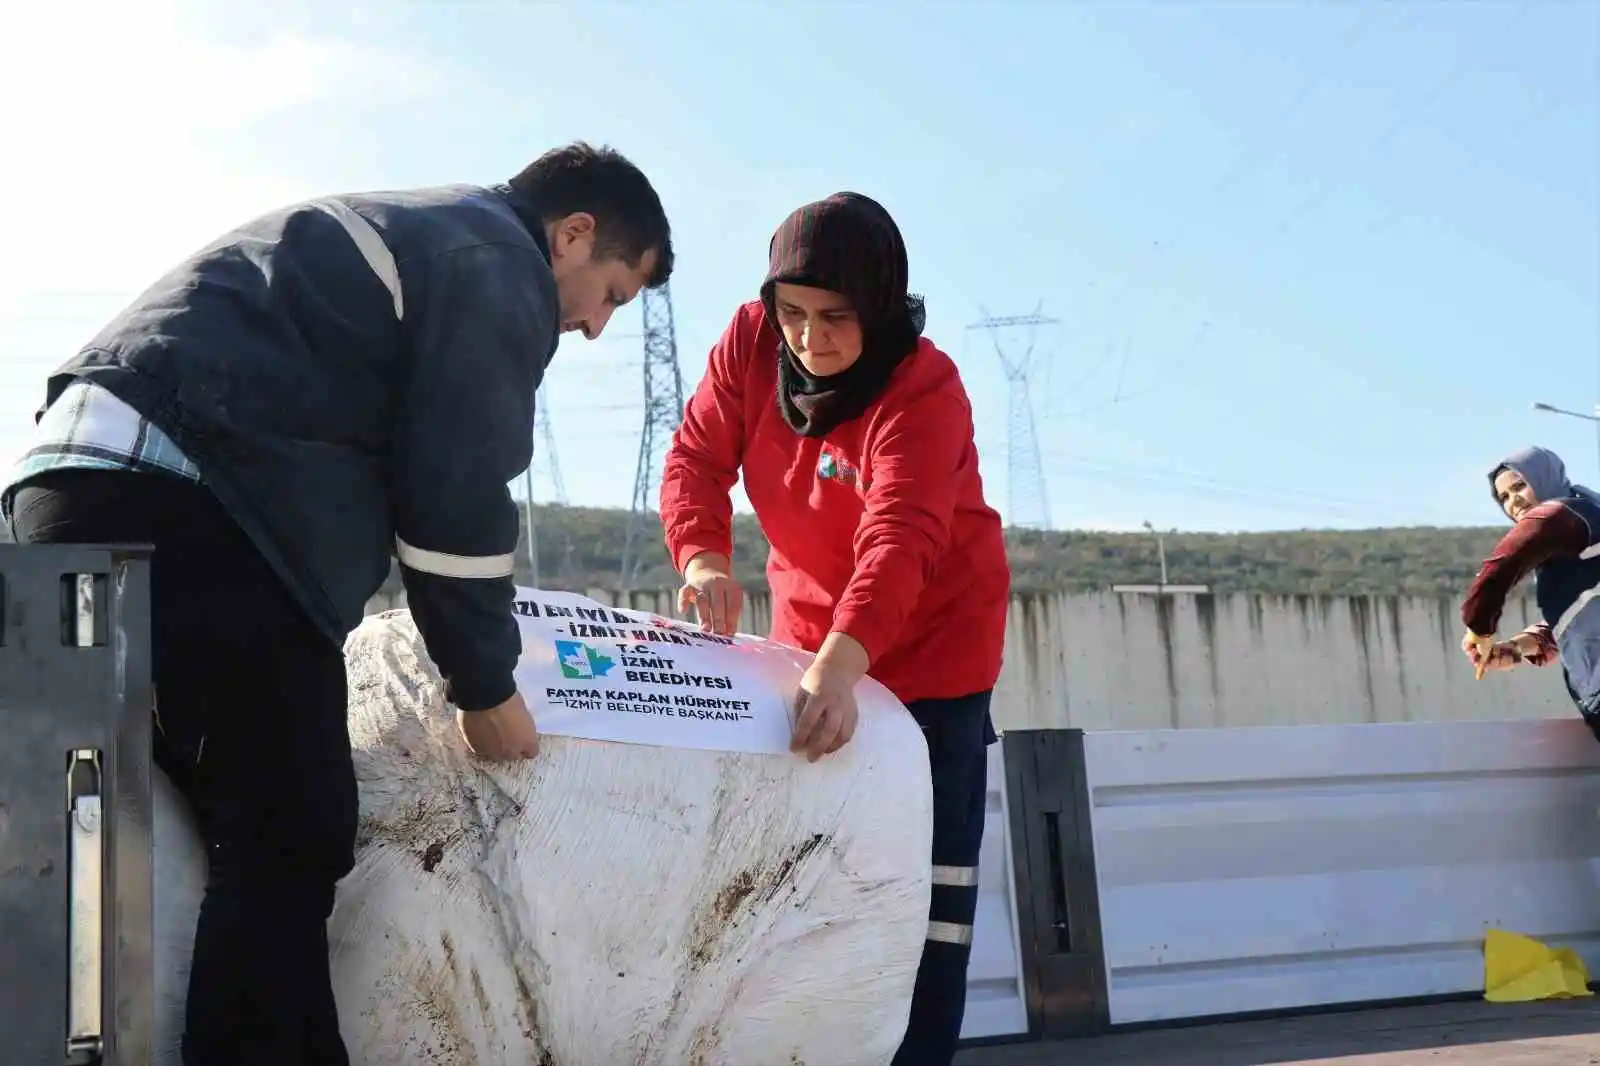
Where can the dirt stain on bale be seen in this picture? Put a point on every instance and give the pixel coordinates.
(790, 861)
(427, 828)
(527, 1007)
(760, 882)
(449, 947)
(704, 1046)
(734, 893)
(433, 990)
(481, 995)
(528, 1019)
(432, 855)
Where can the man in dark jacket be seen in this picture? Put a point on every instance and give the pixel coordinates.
(332, 385)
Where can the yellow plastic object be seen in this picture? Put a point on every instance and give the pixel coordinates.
(1519, 969)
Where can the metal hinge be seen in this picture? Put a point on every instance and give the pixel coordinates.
(85, 906)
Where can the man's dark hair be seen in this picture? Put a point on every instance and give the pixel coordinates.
(629, 219)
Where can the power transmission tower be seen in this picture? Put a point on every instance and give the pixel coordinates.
(663, 410)
(1027, 499)
(547, 440)
(546, 447)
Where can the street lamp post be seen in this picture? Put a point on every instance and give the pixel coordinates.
(1161, 550)
(1595, 417)
(1163, 589)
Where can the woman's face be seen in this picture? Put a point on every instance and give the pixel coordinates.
(821, 327)
(1513, 493)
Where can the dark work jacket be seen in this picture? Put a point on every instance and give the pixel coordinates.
(1567, 591)
(354, 376)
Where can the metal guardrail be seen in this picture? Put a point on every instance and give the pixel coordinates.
(75, 813)
(1286, 869)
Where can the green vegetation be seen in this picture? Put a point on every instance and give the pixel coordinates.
(1416, 560)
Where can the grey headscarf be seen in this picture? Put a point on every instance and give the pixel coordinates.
(1544, 472)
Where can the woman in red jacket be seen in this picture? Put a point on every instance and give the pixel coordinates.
(854, 436)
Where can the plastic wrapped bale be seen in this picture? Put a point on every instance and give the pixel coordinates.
(612, 902)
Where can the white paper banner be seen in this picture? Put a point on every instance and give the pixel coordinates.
(604, 673)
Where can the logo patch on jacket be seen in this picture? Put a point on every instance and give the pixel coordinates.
(833, 467)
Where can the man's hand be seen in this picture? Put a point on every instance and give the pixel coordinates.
(709, 588)
(825, 707)
(500, 734)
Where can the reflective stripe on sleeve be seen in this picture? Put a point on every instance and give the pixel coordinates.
(373, 250)
(443, 564)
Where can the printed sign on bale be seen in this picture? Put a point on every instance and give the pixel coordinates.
(606, 673)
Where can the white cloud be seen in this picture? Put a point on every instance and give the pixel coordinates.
(135, 132)
(124, 124)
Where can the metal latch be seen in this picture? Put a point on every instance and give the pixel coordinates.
(85, 910)
(83, 631)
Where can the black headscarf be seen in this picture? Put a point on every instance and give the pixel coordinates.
(846, 244)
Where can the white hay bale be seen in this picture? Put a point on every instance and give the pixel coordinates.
(606, 903)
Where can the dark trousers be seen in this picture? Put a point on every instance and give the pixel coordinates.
(250, 726)
(959, 732)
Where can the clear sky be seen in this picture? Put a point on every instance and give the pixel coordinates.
(1312, 263)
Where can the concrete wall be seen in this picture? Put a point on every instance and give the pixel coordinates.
(1139, 661)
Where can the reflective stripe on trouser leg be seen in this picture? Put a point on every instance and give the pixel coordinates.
(951, 922)
(940, 997)
(949, 933)
(958, 758)
(955, 875)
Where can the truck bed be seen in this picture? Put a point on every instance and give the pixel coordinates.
(1557, 1033)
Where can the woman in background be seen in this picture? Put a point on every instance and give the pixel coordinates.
(1556, 526)
(854, 436)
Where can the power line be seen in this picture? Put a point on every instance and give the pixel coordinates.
(1400, 120)
(1250, 158)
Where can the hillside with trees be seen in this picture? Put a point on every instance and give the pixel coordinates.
(581, 547)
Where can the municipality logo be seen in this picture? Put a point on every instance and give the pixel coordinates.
(831, 467)
(579, 662)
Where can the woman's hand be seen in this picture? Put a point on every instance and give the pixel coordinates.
(709, 588)
(1522, 648)
(825, 706)
(1505, 655)
(1536, 647)
(1479, 650)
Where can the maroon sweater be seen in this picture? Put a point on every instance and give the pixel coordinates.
(1547, 531)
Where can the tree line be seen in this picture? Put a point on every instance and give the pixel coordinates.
(581, 548)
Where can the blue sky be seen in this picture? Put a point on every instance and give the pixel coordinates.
(1312, 263)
